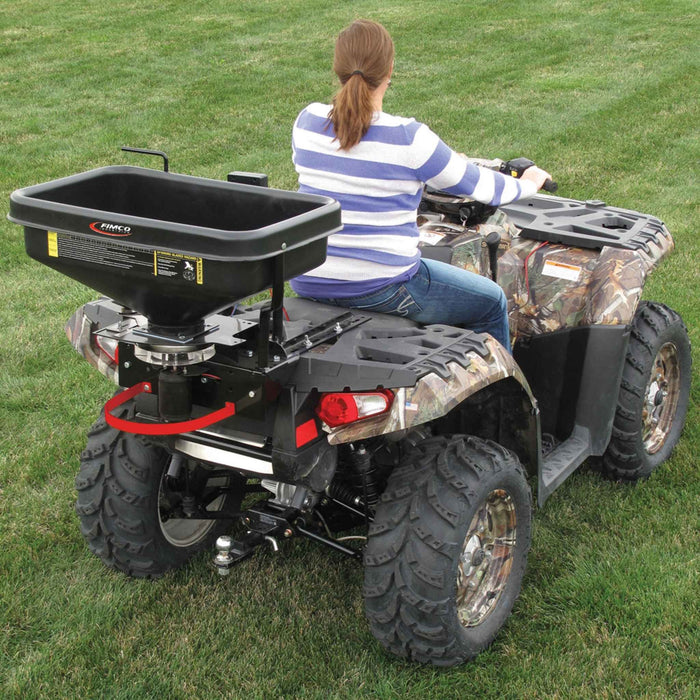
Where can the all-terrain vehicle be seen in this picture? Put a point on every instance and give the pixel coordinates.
(407, 447)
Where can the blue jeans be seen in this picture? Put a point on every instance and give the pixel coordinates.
(441, 293)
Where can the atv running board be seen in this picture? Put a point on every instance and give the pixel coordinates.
(562, 461)
(587, 364)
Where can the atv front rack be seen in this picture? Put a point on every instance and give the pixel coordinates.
(589, 224)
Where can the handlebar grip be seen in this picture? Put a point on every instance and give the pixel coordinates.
(550, 185)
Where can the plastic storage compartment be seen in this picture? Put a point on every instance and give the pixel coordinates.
(172, 247)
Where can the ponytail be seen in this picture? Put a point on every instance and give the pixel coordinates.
(364, 55)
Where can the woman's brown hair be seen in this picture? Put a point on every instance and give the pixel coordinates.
(364, 55)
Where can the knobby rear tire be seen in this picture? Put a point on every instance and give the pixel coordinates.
(120, 488)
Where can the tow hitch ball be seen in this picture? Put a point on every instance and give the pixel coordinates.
(224, 545)
(223, 558)
(265, 523)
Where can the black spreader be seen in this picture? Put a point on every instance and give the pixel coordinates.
(172, 247)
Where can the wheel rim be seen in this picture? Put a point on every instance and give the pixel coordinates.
(185, 532)
(661, 398)
(486, 559)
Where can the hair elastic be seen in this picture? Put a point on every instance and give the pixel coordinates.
(358, 72)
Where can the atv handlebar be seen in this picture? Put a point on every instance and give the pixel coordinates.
(517, 166)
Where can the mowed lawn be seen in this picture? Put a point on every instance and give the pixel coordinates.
(604, 95)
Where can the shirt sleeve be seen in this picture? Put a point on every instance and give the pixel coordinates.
(444, 169)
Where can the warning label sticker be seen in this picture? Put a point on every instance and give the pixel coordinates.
(105, 253)
(188, 267)
(561, 270)
(53, 244)
(89, 249)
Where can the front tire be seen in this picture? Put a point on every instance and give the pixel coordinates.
(447, 550)
(654, 394)
(128, 506)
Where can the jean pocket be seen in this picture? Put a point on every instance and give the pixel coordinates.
(399, 303)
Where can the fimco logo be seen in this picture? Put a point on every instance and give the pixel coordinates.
(108, 229)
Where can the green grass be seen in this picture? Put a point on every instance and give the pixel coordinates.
(604, 95)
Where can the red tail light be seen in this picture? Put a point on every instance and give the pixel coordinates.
(347, 407)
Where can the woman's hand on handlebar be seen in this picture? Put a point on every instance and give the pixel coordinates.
(536, 175)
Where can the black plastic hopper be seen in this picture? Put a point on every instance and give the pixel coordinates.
(172, 247)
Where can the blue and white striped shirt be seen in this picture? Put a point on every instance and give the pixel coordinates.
(378, 183)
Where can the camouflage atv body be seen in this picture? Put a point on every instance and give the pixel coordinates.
(562, 286)
(422, 437)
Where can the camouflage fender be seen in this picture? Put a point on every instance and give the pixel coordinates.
(617, 283)
(540, 302)
(550, 287)
(433, 397)
(80, 330)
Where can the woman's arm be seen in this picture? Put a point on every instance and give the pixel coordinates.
(445, 169)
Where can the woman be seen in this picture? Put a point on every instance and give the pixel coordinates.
(375, 165)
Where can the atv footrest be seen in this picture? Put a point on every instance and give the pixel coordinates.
(564, 459)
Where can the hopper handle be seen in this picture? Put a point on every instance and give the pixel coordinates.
(129, 426)
(148, 152)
